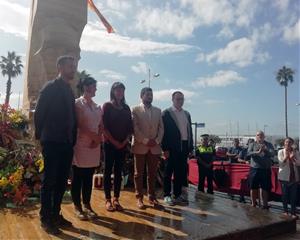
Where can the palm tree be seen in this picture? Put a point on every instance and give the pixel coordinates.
(285, 76)
(10, 66)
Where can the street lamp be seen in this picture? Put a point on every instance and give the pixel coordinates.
(265, 126)
(149, 77)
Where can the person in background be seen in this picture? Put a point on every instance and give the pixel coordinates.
(234, 152)
(288, 175)
(243, 158)
(261, 153)
(117, 129)
(55, 128)
(212, 143)
(205, 155)
(177, 144)
(148, 134)
(87, 148)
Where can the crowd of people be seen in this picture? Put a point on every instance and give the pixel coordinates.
(71, 132)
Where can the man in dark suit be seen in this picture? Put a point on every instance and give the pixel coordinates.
(177, 144)
(55, 128)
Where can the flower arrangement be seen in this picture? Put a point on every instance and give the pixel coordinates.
(21, 163)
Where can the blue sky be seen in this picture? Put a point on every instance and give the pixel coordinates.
(223, 54)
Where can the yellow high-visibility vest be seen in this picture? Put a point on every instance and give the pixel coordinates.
(203, 149)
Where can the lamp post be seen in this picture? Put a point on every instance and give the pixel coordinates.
(149, 77)
(265, 126)
(298, 105)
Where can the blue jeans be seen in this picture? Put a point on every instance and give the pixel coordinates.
(289, 194)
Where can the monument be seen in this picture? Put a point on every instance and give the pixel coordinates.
(55, 29)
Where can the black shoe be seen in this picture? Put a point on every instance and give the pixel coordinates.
(242, 199)
(50, 228)
(265, 207)
(60, 221)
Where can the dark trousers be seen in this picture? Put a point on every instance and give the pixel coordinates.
(82, 184)
(114, 159)
(205, 173)
(177, 165)
(289, 194)
(57, 163)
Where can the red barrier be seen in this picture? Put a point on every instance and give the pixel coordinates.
(237, 177)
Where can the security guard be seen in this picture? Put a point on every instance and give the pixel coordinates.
(205, 154)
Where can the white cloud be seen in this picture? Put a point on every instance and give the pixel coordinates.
(14, 18)
(240, 13)
(219, 79)
(161, 22)
(166, 94)
(103, 84)
(240, 52)
(106, 73)
(281, 4)
(140, 67)
(182, 21)
(226, 32)
(95, 39)
(119, 5)
(291, 34)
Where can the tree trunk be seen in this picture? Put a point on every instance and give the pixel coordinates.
(286, 117)
(8, 90)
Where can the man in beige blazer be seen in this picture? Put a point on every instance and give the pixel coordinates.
(148, 134)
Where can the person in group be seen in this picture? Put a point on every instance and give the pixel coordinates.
(177, 144)
(87, 148)
(212, 143)
(243, 158)
(261, 153)
(118, 128)
(56, 129)
(234, 152)
(288, 175)
(148, 134)
(205, 155)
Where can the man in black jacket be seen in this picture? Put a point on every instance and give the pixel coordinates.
(55, 128)
(177, 144)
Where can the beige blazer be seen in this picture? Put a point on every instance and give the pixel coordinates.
(147, 125)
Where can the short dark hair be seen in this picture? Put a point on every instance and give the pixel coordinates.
(289, 138)
(85, 82)
(115, 86)
(174, 93)
(144, 90)
(63, 59)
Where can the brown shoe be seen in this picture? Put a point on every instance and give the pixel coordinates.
(140, 204)
(108, 205)
(117, 206)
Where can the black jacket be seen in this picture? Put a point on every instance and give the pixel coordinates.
(172, 136)
(54, 117)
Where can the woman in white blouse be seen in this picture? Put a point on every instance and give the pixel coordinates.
(87, 148)
(289, 162)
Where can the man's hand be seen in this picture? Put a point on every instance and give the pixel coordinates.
(151, 143)
(94, 144)
(166, 155)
